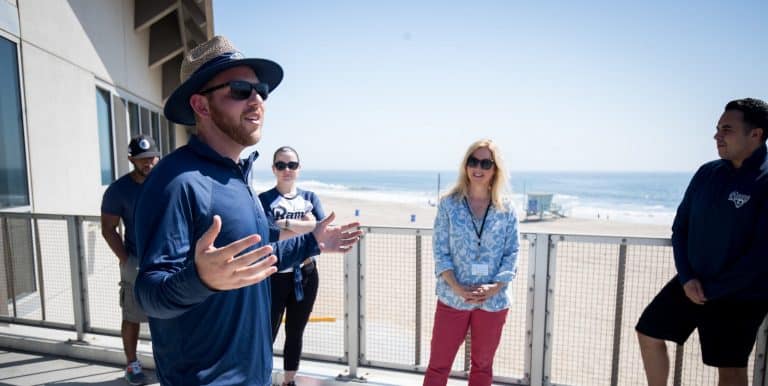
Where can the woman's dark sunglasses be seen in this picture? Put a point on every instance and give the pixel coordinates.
(241, 90)
(484, 164)
(280, 165)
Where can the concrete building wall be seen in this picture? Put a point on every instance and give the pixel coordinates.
(62, 134)
(95, 35)
(66, 50)
(69, 48)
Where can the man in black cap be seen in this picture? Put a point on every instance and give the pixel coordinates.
(118, 203)
(201, 232)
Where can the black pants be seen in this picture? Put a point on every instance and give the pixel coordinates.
(296, 313)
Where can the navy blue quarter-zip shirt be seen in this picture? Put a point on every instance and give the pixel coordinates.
(202, 336)
(720, 232)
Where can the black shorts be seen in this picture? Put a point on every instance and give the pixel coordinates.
(727, 327)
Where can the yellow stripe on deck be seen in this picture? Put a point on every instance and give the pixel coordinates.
(316, 319)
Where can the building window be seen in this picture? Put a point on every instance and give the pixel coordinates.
(133, 118)
(13, 159)
(146, 121)
(145, 129)
(123, 119)
(156, 130)
(106, 153)
(168, 137)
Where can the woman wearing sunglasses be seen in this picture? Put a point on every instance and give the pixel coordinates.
(475, 248)
(294, 211)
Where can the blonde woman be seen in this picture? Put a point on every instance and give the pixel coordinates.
(475, 247)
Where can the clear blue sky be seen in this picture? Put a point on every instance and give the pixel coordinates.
(560, 85)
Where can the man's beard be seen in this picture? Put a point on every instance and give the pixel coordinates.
(140, 171)
(233, 129)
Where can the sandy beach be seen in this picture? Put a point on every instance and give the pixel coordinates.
(397, 324)
(394, 214)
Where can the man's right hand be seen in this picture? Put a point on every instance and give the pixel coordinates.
(694, 291)
(221, 269)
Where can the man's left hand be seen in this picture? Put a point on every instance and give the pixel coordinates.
(336, 238)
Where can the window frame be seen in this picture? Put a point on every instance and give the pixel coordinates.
(24, 124)
(142, 105)
(112, 149)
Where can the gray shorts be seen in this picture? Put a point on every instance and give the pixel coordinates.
(131, 310)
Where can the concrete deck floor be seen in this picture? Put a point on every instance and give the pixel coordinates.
(42, 356)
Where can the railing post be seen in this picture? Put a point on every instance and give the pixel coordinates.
(354, 279)
(79, 285)
(417, 346)
(550, 307)
(9, 271)
(758, 374)
(467, 353)
(39, 259)
(677, 378)
(539, 370)
(619, 312)
(531, 239)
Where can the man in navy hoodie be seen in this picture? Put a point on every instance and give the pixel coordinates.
(201, 232)
(720, 246)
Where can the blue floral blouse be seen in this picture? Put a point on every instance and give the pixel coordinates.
(456, 247)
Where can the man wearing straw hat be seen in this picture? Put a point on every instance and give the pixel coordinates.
(201, 232)
(720, 246)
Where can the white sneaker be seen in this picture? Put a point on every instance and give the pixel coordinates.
(134, 375)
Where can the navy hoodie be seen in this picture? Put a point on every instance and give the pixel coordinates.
(202, 336)
(720, 232)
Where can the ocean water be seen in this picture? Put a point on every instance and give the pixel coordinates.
(643, 197)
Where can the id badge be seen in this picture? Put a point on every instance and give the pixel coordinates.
(479, 269)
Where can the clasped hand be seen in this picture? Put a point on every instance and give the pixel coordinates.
(477, 294)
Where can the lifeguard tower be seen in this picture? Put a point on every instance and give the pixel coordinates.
(539, 204)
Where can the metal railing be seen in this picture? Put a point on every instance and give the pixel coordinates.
(575, 301)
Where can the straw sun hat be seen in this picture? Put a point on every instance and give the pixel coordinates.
(205, 61)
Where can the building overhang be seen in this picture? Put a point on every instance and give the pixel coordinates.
(175, 27)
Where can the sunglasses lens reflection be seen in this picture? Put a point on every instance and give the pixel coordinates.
(280, 165)
(241, 90)
(485, 164)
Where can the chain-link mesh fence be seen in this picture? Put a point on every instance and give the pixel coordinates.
(598, 287)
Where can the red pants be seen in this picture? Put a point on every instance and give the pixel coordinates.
(450, 328)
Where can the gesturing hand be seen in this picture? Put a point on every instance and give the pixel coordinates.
(336, 238)
(221, 269)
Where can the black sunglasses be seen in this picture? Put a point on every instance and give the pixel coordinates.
(241, 90)
(484, 164)
(280, 165)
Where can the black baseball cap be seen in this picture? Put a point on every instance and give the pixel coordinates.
(143, 146)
